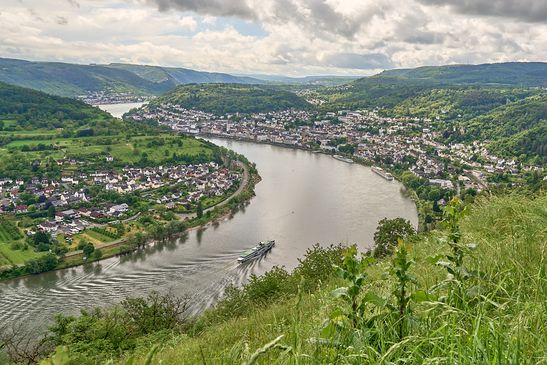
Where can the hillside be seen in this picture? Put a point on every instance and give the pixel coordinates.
(503, 103)
(516, 129)
(509, 73)
(179, 76)
(389, 88)
(403, 308)
(66, 79)
(36, 128)
(232, 98)
(26, 109)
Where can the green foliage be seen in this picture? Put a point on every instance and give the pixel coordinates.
(87, 248)
(232, 98)
(509, 73)
(388, 233)
(458, 274)
(504, 324)
(403, 279)
(316, 268)
(517, 130)
(37, 110)
(503, 103)
(199, 210)
(352, 271)
(8, 231)
(73, 80)
(108, 233)
(97, 335)
(41, 264)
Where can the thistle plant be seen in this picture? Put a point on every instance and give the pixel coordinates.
(403, 280)
(454, 263)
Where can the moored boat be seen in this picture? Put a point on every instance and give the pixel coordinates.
(342, 158)
(257, 251)
(380, 171)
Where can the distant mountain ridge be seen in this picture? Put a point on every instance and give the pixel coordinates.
(391, 87)
(65, 79)
(507, 73)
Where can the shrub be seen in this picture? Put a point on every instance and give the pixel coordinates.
(388, 233)
(318, 266)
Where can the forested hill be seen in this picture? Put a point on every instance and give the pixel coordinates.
(66, 79)
(182, 76)
(510, 73)
(389, 88)
(22, 108)
(503, 103)
(232, 98)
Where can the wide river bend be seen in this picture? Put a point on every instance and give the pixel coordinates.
(303, 199)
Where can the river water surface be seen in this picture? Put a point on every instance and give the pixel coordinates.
(303, 199)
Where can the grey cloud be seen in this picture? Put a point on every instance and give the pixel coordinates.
(74, 3)
(525, 10)
(370, 61)
(315, 16)
(61, 20)
(424, 37)
(237, 8)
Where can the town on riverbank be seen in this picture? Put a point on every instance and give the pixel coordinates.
(410, 148)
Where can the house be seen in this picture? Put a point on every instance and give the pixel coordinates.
(21, 209)
(97, 215)
(48, 226)
(118, 209)
(70, 214)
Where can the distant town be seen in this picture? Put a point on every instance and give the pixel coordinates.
(109, 96)
(362, 134)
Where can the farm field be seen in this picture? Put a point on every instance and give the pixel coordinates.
(96, 237)
(127, 150)
(10, 257)
(9, 231)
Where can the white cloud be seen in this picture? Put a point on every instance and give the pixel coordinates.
(296, 37)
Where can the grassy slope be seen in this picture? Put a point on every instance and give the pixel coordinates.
(511, 235)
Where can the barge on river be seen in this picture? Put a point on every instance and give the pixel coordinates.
(259, 250)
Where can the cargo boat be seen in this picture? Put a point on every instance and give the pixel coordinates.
(257, 251)
(386, 175)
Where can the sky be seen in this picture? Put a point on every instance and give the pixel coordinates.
(283, 37)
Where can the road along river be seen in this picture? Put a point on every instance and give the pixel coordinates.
(303, 199)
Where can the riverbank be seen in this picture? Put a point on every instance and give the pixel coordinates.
(182, 225)
(302, 199)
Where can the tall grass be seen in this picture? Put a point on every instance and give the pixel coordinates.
(501, 319)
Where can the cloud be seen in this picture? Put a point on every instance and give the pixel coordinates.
(296, 37)
(74, 3)
(371, 61)
(318, 17)
(524, 10)
(188, 23)
(61, 20)
(237, 8)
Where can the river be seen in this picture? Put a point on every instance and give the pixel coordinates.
(117, 110)
(303, 199)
